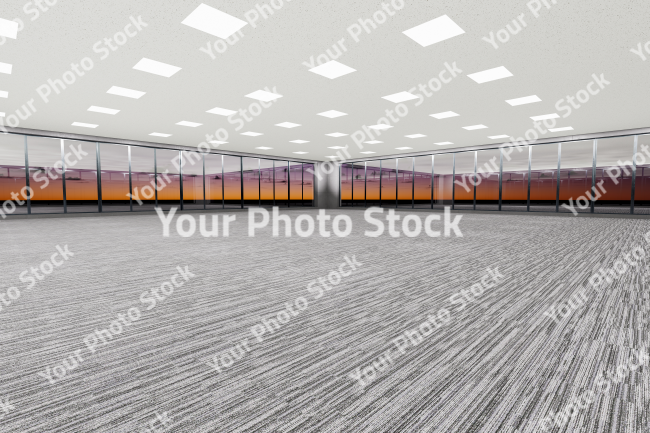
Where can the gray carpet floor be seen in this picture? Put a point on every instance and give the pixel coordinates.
(499, 365)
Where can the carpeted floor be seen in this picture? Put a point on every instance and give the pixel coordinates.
(498, 365)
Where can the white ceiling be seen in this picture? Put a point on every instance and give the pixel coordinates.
(553, 56)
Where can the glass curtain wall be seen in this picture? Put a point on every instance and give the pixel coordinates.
(422, 191)
(192, 180)
(251, 176)
(359, 183)
(642, 178)
(80, 159)
(346, 184)
(143, 178)
(576, 168)
(266, 182)
(45, 174)
(389, 183)
(487, 179)
(308, 184)
(214, 181)
(464, 181)
(114, 164)
(281, 183)
(232, 179)
(12, 173)
(514, 186)
(295, 187)
(405, 182)
(543, 177)
(169, 179)
(614, 181)
(373, 183)
(443, 180)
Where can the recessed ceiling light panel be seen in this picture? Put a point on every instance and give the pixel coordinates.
(442, 143)
(9, 28)
(5, 68)
(156, 68)
(546, 116)
(434, 31)
(221, 111)
(525, 100)
(4, 94)
(299, 141)
(217, 142)
(287, 125)
(444, 115)
(400, 97)
(566, 128)
(264, 148)
(367, 153)
(84, 125)
(129, 93)
(495, 137)
(373, 142)
(415, 136)
(490, 75)
(332, 69)
(213, 22)
(332, 114)
(264, 96)
(380, 126)
(336, 134)
(474, 127)
(190, 124)
(103, 110)
(159, 134)
(300, 153)
(251, 134)
(403, 148)
(336, 147)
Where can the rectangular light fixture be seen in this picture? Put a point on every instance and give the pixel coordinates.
(336, 134)
(213, 22)
(217, 142)
(367, 153)
(159, 134)
(380, 126)
(442, 143)
(156, 68)
(373, 142)
(490, 75)
(264, 96)
(300, 153)
(4, 94)
(129, 93)
(9, 28)
(566, 128)
(337, 147)
(287, 125)
(332, 114)
(190, 124)
(2, 114)
(415, 136)
(221, 111)
(400, 97)
(251, 134)
(299, 141)
(496, 137)
(332, 69)
(5, 68)
(525, 100)
(444, 115)
(103, 110)
(403, 148)
(546, 116)
(264, 148)
(436, 30)
(84, 125)
(473, 127)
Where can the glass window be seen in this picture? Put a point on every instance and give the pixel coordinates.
(114, 163)
(389, 183)
(576, 166)
(405, 182)
(543, 177)
(12, 172)
(463, 183)
(232, 179)
(514, 185)
(295, 188)
(192, 180)
(642, 181)
(487, 179)
(359, 181)
(169, 179)
(266, 182)
(251, 176)
(422, 178)
(308, 184)
(372, 183)
(614, 182)
(346, 184)
(143, 179)
(281, 183)
(443, 182)
(45, 172)
(80, 159)
(213, 181)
